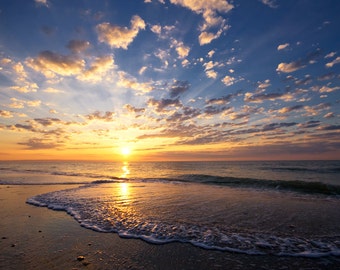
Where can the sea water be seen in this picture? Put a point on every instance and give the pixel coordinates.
(277, 208)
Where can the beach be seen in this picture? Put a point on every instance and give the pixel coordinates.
(39, 238)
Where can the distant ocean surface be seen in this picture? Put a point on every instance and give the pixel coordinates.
(284, 208)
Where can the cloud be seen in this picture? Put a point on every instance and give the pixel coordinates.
(334, 62)
(178, 87)
(186, 113)
(127, 81)
(119, 37)
(6, 114)
(258, 98)
(211, 74)
(28, 87)
(42, 2)
(310, 124)
(78, 46)
(47, 121)
(211, 53)
(229, 80)
(164, 103)
(98, 69)
(97, 115)
(50, 63)
(38, 144)
(263, 85)
(330, 127)
(270, 3)
(282, 46)
(210, 65)
(212, 110)
(299, 64)
(330, 55)
(327, 89)
(182, 50)
(222, 100)
(19, 76)
(274, 126)
(206, 37)
(329, 115)
(208, 9)
(290, 67)
(157, 29)
(185, 62)
(20, 104)
(133, 109)
(285, 110)
(317, 109)
(142, 70)
(326, 77)
(52, 90)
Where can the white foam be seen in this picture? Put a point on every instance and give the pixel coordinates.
(147, 212)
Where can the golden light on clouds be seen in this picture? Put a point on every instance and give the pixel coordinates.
(177, 80)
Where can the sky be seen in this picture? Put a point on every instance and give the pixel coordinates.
(169, 80)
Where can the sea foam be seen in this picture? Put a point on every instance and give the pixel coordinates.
(211, 217)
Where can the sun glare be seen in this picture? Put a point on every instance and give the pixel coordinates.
(125, 151)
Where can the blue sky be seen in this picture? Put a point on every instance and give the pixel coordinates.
(169, 79)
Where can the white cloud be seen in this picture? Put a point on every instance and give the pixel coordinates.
(127, 81)
(185, 62)
(6, 114)
(98, 69)
(289, 67)
(182, 50)
(117, 36)
(210, 65)
(330, 55)
(334, 62)
(206, 37)
(282, 46)
(263, 85)
(211, 53)
(270, 3)
(42, 2)
(142, 70)
(211, 74)
(228, 80)
(52, 90)
(157, 29)
(209, 11)
(50, 63)
(326, 89)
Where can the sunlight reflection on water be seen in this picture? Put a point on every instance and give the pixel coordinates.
(125, 170)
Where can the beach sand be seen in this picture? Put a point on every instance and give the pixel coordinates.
(38, 238)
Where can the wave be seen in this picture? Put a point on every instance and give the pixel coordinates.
(330, 170)
(294, 185)
(110, 213)
(237, 182)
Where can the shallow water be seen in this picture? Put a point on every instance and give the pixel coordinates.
(277, 208)
(223, 218)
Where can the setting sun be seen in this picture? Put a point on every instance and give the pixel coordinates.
(126, 151)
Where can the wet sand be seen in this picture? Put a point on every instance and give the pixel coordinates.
(38, 238)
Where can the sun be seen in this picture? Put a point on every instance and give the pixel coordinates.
(126, 151)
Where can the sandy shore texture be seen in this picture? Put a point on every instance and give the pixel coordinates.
(39, 238)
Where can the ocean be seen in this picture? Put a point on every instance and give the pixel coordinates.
(280, 208)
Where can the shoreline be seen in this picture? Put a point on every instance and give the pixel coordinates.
(39, 238)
